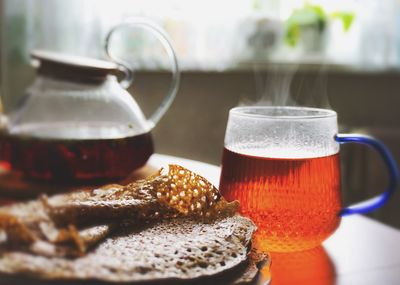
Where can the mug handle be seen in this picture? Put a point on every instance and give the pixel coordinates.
(391, 165)
(124, 67)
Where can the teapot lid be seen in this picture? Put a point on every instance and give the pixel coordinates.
(67, 66)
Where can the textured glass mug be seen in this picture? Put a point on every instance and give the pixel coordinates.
(282, 164)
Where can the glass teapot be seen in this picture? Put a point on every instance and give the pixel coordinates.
(78, 123)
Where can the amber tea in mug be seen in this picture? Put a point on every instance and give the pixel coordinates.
(282, 164)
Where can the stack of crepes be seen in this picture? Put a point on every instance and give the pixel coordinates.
(173, 225)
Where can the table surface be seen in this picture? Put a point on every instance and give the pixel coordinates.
(361, 251)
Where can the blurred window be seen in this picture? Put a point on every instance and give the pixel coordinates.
(214, 35)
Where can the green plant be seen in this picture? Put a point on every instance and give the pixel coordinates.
(315, 16)
(347, 19)
(308, 15)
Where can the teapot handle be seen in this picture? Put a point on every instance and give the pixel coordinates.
(124, 66)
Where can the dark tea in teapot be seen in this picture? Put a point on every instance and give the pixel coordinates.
(51, 154)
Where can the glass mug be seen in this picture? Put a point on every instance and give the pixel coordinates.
(282, 164)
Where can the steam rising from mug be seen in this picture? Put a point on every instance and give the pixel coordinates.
(285, 86)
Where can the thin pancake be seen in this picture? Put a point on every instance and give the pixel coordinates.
(180, 249)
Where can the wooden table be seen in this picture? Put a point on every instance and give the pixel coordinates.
(361, 251)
